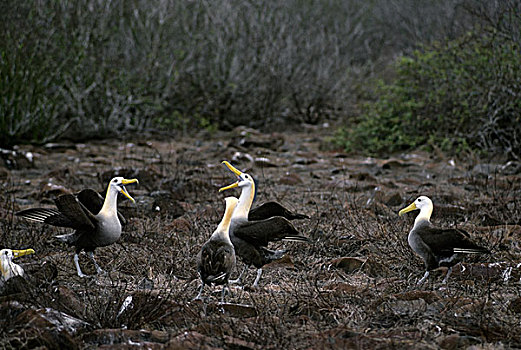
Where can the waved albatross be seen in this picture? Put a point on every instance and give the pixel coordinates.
(7, 267)
(437, 246)
(216, 260)
(96, 220)
(251, 238)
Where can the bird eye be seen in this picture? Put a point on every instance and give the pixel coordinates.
(419, 199)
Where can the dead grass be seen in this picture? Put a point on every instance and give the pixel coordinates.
(302, 304)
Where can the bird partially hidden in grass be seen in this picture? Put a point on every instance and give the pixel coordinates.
(216, 260)
(7, 267)
(250, 238)
(437, 246)
(95, 219)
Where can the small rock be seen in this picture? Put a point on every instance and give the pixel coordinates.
(290, 179)
(50, 190)
(192, 341)
(239, 157)
(264, 162)
(17, 159)
(455, 341)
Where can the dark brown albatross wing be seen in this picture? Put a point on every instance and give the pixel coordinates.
(46, 215)
(216, 262)
(260, 233)
(271, 209)
(71, 208)
(445, 242)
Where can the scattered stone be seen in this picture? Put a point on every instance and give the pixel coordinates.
(456, 341)
(240, 157)
(50, 190)
(264, 162)
(290, 179)
(17, 159)
(191, 340)
(343, 287)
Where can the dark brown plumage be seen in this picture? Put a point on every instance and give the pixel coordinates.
(95, 219)
(216, 260)
(437, 246)
(271, 209)
(251, 238)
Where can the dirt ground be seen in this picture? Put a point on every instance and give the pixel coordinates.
(353, 286)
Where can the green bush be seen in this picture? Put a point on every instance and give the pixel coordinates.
(463, 95)
(83, 69)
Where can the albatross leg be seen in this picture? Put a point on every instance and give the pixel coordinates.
(238, 279)
(423, 278)
(259, 274)
(77, 263)
(98, 269)
(198, 297)
(223, 292)
(446, 279)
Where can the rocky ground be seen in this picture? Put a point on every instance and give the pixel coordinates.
(354, 286)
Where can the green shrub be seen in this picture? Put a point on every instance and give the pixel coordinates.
(460, 95)
(82, 69)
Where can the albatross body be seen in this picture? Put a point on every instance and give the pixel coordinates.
(216, 260)
(7, 267)
(95, 219)
(437, 246)
(251, 238)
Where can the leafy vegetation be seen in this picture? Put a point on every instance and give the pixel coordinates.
(83, 69)
(460, 95)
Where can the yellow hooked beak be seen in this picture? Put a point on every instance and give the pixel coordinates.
(408, 209)
(232, 168)
(124, 190)
(236, 172)
(19, 253)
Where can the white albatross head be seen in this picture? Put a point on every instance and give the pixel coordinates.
(7, 267)
(424, 205)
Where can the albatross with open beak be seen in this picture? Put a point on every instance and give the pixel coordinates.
(7, 267)
(437, 246)
(95, 219)
(251, 238)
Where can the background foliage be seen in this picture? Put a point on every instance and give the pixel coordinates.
(458, 95)
(83, 69)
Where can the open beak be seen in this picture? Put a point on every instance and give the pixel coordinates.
(236, 172)
(19, 253)
(124, 190)
(408, 209)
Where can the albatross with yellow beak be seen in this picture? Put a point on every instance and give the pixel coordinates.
(7, 267)
(437, 246)
(251, 238)
(216, 260)
(95, 219)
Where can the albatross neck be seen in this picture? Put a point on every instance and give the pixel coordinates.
(223, 230)
(245, 202)
(424, 215)
(4, 268)
(111, 202)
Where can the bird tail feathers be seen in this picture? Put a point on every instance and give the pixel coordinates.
(296, 238)
(477, 250)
